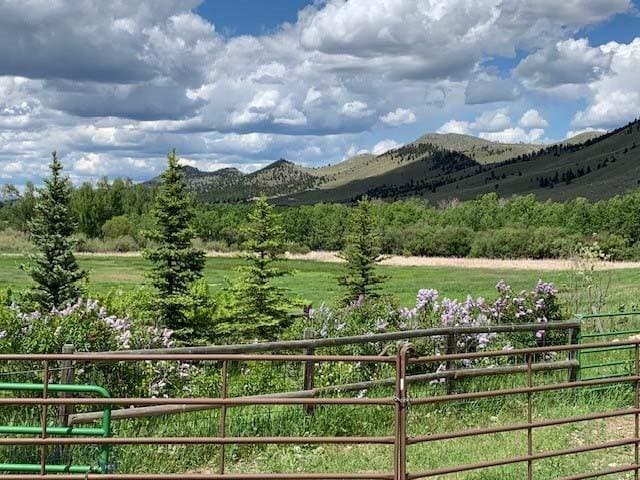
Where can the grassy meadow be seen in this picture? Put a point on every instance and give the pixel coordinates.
(316, 281)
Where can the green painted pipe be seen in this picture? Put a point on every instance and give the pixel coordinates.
(32, 467)
(105, 430)
(67, 431)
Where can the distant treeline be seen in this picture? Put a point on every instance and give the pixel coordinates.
(112, 215)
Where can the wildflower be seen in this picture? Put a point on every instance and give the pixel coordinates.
(3, 334)
(426, 298)
(502, 287)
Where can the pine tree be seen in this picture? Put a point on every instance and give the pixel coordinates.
(176, 264)
(362, 253)
(258, 306)
(53, 267)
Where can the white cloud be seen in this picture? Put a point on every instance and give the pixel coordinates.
(400, 116)
(127, 81)
(614, 98)
(356, 109)
(574, 133)
(514, 135)
(492, 121)
(455, 126)
(384, 146)
(568, 62)
(532, 119)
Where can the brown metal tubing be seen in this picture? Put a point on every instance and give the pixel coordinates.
(636, 404)
(520, 426)
(122, 357)
(602, 473)
(198, 401)
(524, 458)
(400, 462)
(389, 440)
(353, 340)
(223, 416)
(160, 410)
(190, 476)
(45, 393)
(522, 390)
(518, 352)
(529, 417)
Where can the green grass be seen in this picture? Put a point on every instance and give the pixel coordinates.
(316, 281)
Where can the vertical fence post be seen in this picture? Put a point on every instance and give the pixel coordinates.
(402, 402)
(450, 349)
(529, 416)
(223, 415)
(67, 377)
(574, 355)
(43, 420)
(309, 369)
(636, 404)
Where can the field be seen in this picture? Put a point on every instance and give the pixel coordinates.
(316, 281)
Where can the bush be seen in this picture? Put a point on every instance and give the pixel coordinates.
(441, 242)
(119, 226)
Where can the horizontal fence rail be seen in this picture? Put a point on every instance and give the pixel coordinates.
(400, 402)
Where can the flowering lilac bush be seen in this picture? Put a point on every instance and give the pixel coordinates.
(88, 325)
(539, 305)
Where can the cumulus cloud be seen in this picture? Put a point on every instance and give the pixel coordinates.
(384, 146)
(568, 62)
(492, 121)
(614, 98)
(514, 135)
(400, 116)
(496, 126)
(114, 85)
(455, 126)
(532, 119)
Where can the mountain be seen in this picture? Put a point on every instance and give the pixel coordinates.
(231, 185)
(479, 149)
(597, 168)
(441, 167)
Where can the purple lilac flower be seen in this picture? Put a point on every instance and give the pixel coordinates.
(381, 324)
(543, 288)
(426, 298)
(502, 287)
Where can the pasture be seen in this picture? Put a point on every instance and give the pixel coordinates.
(315, 282)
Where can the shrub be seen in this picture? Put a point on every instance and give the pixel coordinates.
(441, 242)
(119, 226)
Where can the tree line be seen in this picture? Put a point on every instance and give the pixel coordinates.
(255, 305)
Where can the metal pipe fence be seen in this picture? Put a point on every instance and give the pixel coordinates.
(400, 402)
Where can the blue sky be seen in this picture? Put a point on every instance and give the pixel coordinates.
(114, 85)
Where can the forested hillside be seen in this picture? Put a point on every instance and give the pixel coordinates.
(597, 168)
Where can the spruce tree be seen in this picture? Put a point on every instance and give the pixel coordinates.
(362, 253)
(53, 267)
(176, 264)
(258, 306)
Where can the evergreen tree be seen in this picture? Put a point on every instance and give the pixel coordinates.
(258, 306)
(362, 253)
(53, 267)
(176, 264)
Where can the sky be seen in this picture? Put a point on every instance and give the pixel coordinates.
(113, 86)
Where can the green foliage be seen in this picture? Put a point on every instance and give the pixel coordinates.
(53, 267)
(176, 264)
(118, 226)
(257, 305)
(362, 253)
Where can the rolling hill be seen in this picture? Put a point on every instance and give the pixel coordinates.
(597, 168)
(441, 167)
